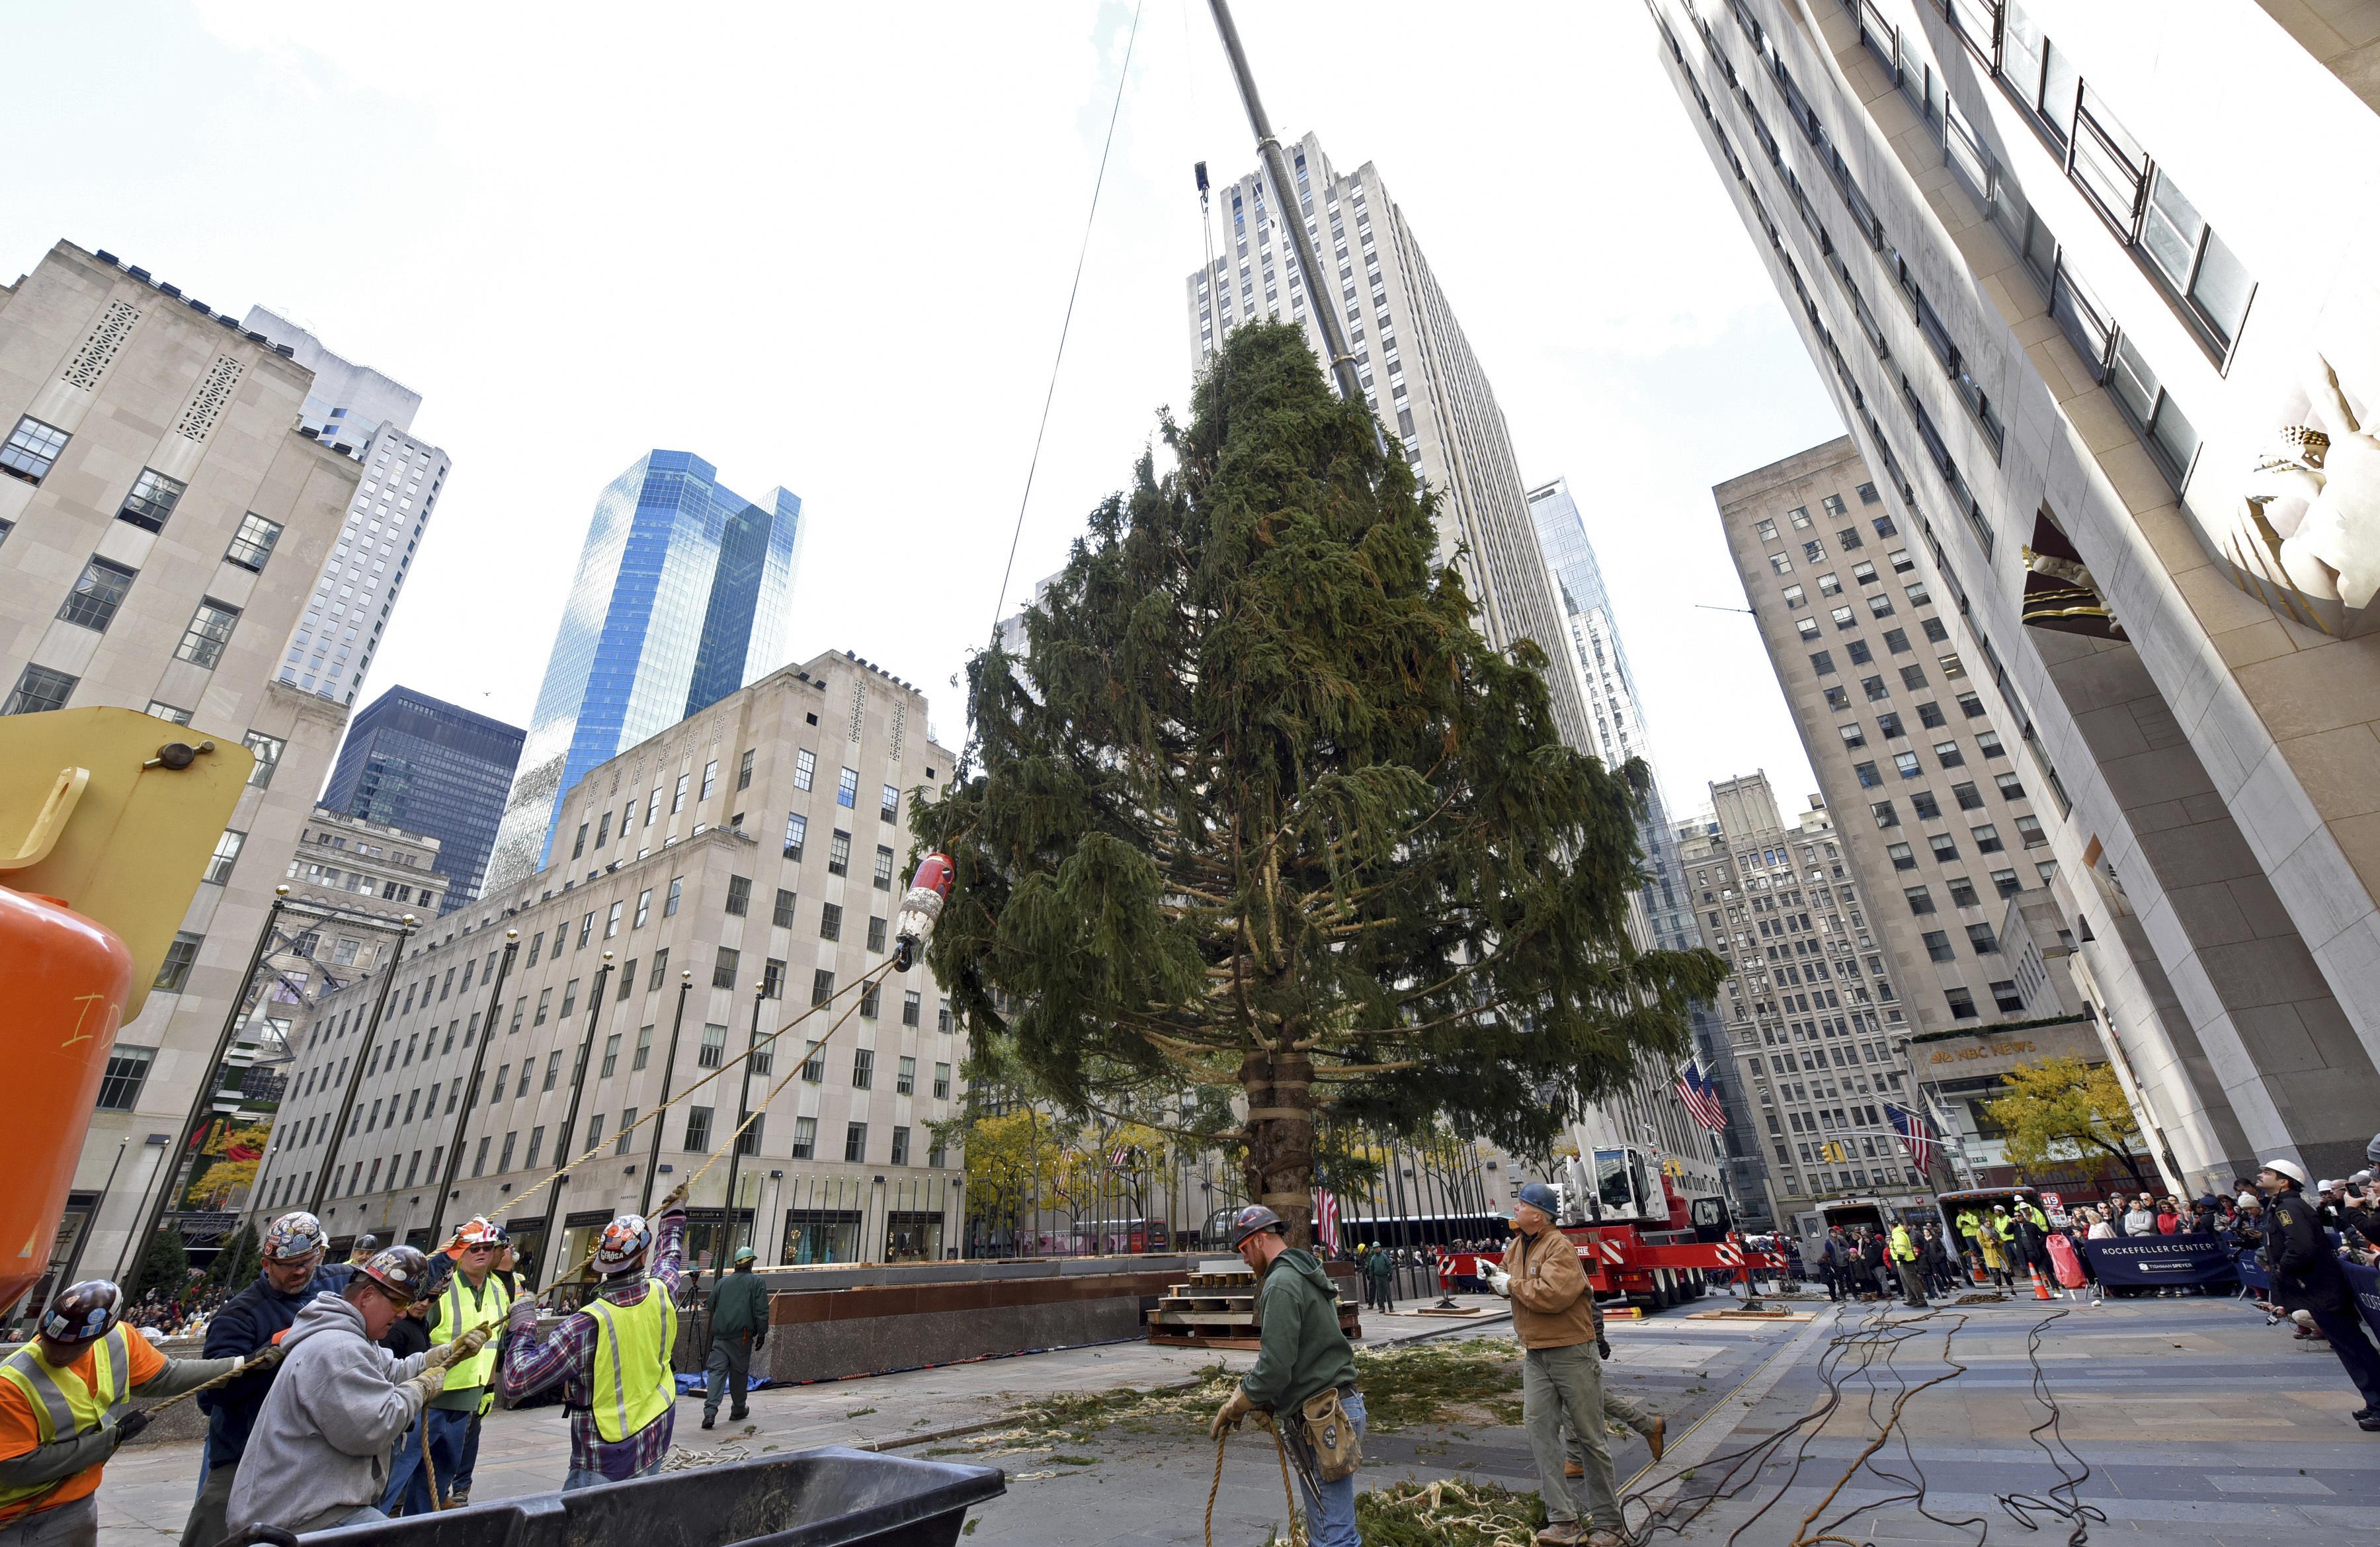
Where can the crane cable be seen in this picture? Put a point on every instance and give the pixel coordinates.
(1066, 326)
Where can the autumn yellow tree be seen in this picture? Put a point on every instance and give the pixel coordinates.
(2063, 1110)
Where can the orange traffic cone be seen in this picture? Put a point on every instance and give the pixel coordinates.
(2040, 1290)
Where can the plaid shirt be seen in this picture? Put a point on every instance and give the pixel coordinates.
(568, 1355)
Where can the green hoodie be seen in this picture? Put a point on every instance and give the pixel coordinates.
(1302, 1352)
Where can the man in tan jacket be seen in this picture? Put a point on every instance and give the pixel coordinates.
(1561, 1375)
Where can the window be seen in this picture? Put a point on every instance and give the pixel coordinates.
(97, 594)
(1881, 605)
(2028, 833)
(1868, 495)
(1962, 1003)
(1830, 584)
(612, 920)
(900, 1146)
(723, 966)
(1988, 838)
(1837, 699)
(889, 806)
(677, 794)
(804, 1137)
(2194, 262)
(773, 978)
(1906, 762)
(544, 998)
(1885, 815)
(553, 1069)
(1766, 529)
(1980, 936)
(1844, 618)
(39, 690)
(838, 854)
(904, 1079)
(875, 933)
(1988, 743)
(1858, 651)
(911, 1004)
(1780, 563)
(1963, 891)
(175, 970)
(805, 770)
(782, 915)
(1918, 595)
(152, 501)
(1852, 736)
(821, 986)
(586, 929)
(855, 1142)
(714, 1051)
(209, 630)
(226, 855)
(644, 1051)
(1800, 516)
(831, 921)
(2010, 786)
(1888, 726)
(676, 892)
(1823, 663)
(1794, 597)
(872, 1000)
(744, 770)
(883, 869)
(2171, 438)
(252, 544)
(846, 787)
(739, 895)
(1920, 899)
(1808, 628)
(863, 1069)
(697, 1129)
(797, 828)
(127, 1069)
(941, 1083)
(709, 778)
(1901, 856)
(1868, 777)
(1934, 631)
(1848, 539)
(1937, 946)
(1970, 706)
(31, 448)
(611, 1056)
(1874, 689)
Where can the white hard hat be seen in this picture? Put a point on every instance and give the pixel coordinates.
(2290, 1169)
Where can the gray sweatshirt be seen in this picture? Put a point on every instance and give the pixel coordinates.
(319, 1448)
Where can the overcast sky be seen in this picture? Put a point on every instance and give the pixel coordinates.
(828, 247)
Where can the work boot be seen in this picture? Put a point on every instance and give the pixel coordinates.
(459, 1498)
(710, 1418)
(1559, 1533)
(736, 1414)
(2369, 1425)
(1659, 1438)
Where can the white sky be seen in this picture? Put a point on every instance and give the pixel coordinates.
(830, 247)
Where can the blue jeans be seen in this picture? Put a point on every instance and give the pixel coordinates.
(1330, 1506)
(591, 1478)
(407, 1484)
(461, 1482)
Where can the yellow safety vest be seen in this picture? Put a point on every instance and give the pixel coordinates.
(457, 1315)
(1903, 1248)
(634, 1383)
(63, 1407)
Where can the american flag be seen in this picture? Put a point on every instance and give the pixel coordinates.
(1122, 1159)
(1915, 1132)
(1701, 1096)
(1326, 1219)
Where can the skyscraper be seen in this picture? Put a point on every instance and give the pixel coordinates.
(1598, 663)
(1444, 421)
(680, 599)
(428, 766)
(367, 417)
(2121, 406)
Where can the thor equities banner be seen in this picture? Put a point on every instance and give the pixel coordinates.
(2160, 1262)
(2365, 1282)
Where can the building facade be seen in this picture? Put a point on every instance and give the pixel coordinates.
(1814, 1023)
(712, 878)
(428, 766)
(2118, 407)
(1417, 372)
(680, 598)
(161, 524)
(365, 415)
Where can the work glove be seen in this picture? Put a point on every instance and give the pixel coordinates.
(523, 1314)
(429, 1382)
(129, 1425)
(1228, 1416)
(673, 1204)
(1499, 1281)
(462, 1347)
(1603, 1347)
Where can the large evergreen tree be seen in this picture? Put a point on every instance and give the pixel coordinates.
(1258, 807)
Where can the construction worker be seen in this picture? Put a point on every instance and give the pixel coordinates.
(1991, 1240)
(1302, 1358)
(1903, 1251)
(1562, 1371)
(739, 1325)
(62, 1401)
(366, 1247)
(1969, 1225)
(317, 1456)
(612, 1356)
(504, 1274)
(2307, 1277)
(472, 1297)
(291, 1274)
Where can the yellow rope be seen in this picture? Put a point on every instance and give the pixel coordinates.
(1287, 1496)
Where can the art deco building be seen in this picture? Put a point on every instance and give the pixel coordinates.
(2116, 393)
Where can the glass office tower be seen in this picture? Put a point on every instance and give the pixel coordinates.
(679, 600)
(429, 766)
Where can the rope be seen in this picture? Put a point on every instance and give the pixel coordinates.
(1287, 1496)
(429, 1469)
(265, 1358)
(685, 1189)
(1067, 326)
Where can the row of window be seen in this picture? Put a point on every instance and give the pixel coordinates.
(34, 447)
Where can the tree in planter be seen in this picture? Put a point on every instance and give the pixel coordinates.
(164, 1266)
(237, 1263)
(2060, 1110)
(1259, 808)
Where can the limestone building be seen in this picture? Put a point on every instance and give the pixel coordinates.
(2116, 394)
(714, 876)
(163, 522)
(1417, 372)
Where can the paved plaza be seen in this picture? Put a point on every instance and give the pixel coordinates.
(2184, 1415)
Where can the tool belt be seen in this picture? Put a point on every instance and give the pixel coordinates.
(1329, 1434)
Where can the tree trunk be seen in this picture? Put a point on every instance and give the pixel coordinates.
(1279, 1165)
(2124, 1154)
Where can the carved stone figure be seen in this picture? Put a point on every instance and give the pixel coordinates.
(2334, 552)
